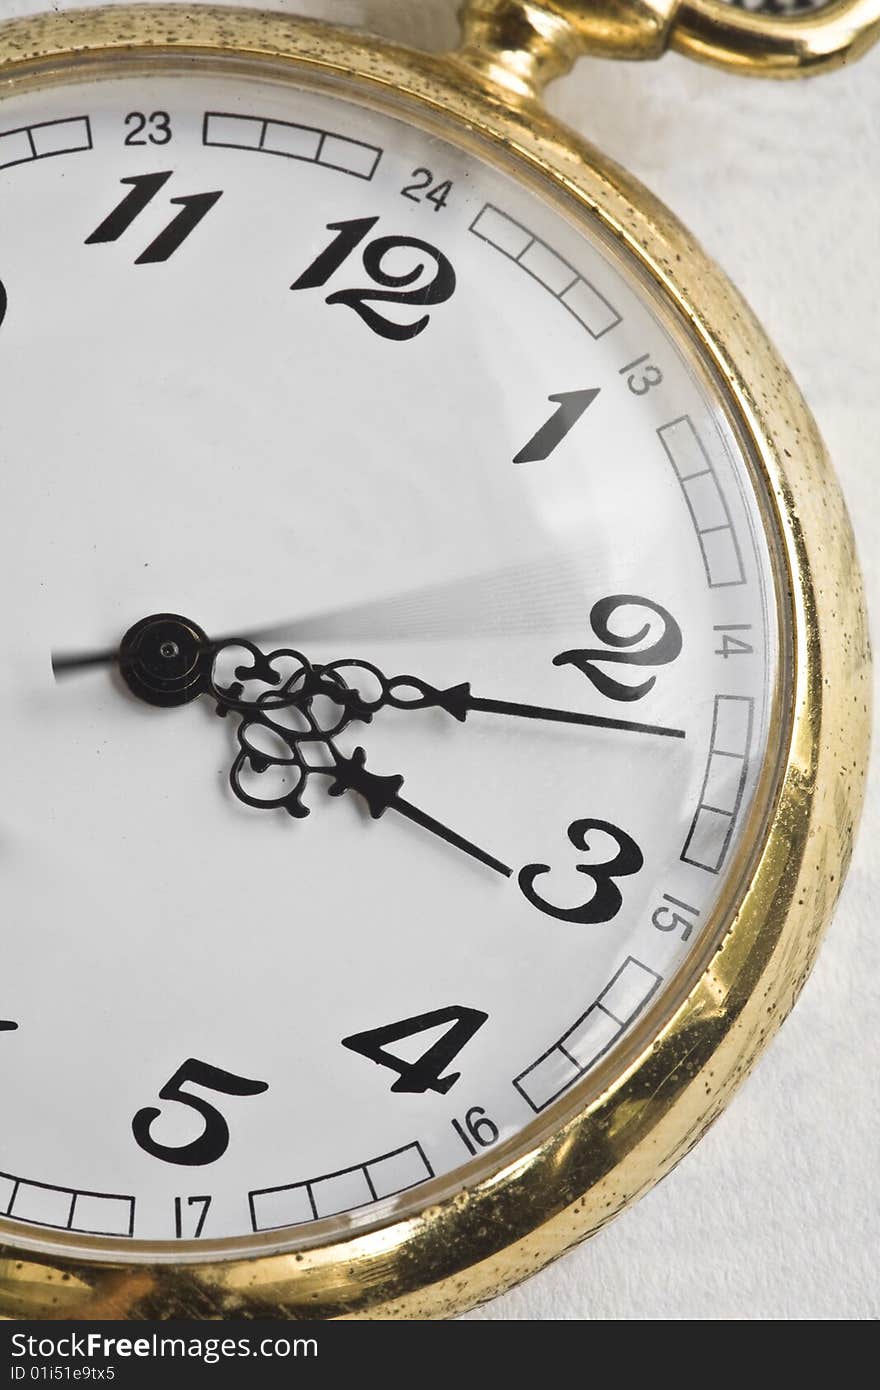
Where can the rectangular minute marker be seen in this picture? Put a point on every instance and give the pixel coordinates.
(706, 503)
(625, 995)
(103, 1216)
(61, 137)
(42, 141)
(92, 1213)
(551, 270)
(724, 781)
(332, 1193)
(290, 140)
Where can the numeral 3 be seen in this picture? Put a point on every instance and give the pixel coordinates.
(607, 899)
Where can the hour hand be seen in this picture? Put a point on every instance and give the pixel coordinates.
(383, 794)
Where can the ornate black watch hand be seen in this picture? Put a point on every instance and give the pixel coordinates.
(458, 701)
(383, 794)
(287, 709)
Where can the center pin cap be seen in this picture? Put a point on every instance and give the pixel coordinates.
(166, 660)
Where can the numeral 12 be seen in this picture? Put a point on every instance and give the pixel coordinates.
(394, 287)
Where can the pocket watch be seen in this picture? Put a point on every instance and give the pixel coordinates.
(439, 710)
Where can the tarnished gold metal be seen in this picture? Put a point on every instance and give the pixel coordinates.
(758, 45)
(526, 43)
(595, 1152)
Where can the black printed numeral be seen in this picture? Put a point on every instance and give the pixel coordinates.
(423, 189)
(144, 188)
(659, 652)
(570, 407)
(154, 129)
(4, 303)
(607, 899)
(213, 1142)
(196, 1218)
(476, 1131)
(393, 285)
(426, 1073)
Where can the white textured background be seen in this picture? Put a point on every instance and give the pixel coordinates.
(777, 1213)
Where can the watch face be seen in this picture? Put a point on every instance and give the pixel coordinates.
(490, 750)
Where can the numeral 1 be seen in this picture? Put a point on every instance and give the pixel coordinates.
(636, 362)
(144, 188)
(194, 208)
(572, 405)
(351, 234)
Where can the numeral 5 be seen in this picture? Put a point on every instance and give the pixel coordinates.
(213, 1142)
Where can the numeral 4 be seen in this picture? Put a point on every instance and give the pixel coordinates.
(426, 1073)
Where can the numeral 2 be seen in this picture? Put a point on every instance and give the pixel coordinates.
(607, 899)
(660, 652)
(144, 188)
(349, 237)
(426, 1073)
(213, 1142)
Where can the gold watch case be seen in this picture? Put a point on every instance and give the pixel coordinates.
(602, 1147)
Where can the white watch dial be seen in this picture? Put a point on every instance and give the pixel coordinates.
(273, 361)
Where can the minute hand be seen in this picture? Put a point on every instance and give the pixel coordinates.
(459, 702)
